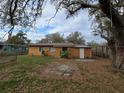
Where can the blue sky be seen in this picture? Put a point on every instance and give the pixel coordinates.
(60, 24)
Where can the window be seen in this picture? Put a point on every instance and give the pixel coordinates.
(41, 49)
(52, 49)
(1, 46)
(64, 49)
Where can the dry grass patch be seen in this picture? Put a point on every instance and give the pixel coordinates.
(30, 75)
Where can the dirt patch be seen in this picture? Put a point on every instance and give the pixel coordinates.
(63, 70)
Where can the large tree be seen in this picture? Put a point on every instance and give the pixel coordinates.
(76, 38)
(102, 26)
(23, 12)
(113, 10)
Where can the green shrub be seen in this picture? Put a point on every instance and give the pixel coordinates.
(64, 54)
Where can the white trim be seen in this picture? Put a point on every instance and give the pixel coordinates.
(52, 49)
(81, 52)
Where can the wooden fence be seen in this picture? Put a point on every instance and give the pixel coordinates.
(100, 51)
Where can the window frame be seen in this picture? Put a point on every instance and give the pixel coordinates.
(52, 49)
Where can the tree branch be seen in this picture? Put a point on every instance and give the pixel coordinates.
(106, 38)
(9, 32)
(111, 13)
(85, 5)
(25, 5)
(79, 5)
(12, 11)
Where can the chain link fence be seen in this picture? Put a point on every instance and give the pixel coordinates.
(9, 52)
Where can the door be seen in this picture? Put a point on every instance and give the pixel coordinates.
(64, 49)
(81, 52)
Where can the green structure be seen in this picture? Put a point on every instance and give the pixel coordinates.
(12, 49)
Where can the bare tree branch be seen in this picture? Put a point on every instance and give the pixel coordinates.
(9, 32)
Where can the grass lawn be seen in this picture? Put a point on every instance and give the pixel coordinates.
(25, 76)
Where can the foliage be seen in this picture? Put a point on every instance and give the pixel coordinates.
(53, 38)
(76, 38)
(20, 12)
(19, 38)
(101, 25)
(25, 12)
(64, 54)
(92, 43)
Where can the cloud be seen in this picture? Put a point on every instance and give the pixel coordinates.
(65, 26)
(60, 24)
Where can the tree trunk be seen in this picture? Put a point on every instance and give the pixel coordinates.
(117, 51)
(112, 48)
(108, 9)
(120, 54)
(113, 57)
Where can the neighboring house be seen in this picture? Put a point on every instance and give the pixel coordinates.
(11, 49)
(55, 49)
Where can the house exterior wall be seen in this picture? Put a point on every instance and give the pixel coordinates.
(74, 52)
(87, 53)
(55, 53)
(34, 51)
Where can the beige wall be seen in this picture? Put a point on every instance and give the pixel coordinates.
(34, 51)
(74, 52)
(87, 53)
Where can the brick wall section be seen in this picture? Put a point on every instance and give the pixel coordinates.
(34, 51)
(87, 53)
(74, 52)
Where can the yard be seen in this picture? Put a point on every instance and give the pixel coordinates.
(30, 75)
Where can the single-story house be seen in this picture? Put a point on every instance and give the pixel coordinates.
(12, 49)
(55, 49)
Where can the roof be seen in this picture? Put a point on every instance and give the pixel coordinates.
(1, 43)
(82, 46)
(63, 45)
(58, 45)
(41, 44)
(8, 44)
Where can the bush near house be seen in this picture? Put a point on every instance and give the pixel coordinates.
(64, 54)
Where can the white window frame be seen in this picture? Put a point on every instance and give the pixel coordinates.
(52, 49)
(41, 49)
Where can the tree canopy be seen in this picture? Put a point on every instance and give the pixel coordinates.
(76, 38)
(24, 12)
(20, 38)
(53, 38)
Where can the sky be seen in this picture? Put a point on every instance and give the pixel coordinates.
(60, 24)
